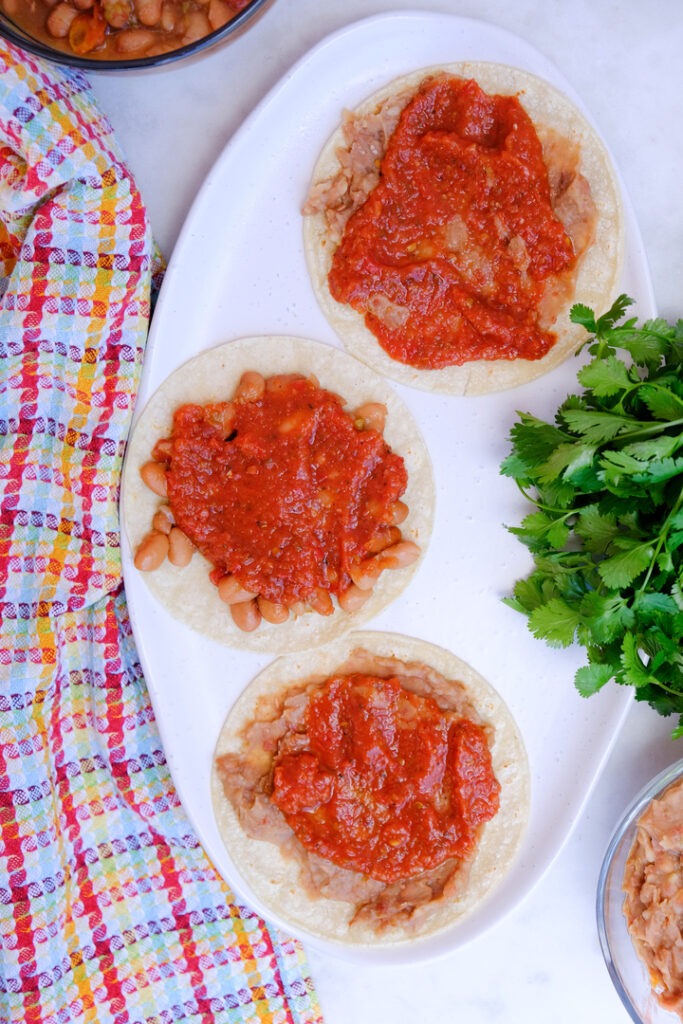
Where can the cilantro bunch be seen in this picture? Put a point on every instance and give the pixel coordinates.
(606, 531)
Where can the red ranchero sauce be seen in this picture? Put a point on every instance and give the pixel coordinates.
(292, 498)
(388, 784)
(463, 178)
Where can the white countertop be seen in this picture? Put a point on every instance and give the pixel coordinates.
(543, 961)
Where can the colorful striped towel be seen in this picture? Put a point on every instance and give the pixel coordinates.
(109, 908)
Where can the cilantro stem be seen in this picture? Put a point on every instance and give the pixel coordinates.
(642, 331)
(549, 508)
(655, 387)
(660, 541)
(645, 431)
(662, 686)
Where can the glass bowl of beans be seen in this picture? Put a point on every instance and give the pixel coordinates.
(111, 35)
(640, 902)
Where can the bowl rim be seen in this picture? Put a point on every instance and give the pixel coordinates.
(645, 795)
(12, 34)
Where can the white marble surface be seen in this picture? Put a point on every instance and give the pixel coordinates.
(543, 962)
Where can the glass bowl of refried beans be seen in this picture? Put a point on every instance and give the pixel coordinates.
(640, 902)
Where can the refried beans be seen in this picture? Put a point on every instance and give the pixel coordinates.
(653, 905)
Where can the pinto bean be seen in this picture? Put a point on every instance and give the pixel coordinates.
(154, 475)
(148, 12)
(399, 512)
(367, 573)
(163, 519)
(223, 417)
(272, 611)
(168, 17)
(59, 20)
(398, 556)
(372, 416)
(163, 450)
(321, 602)
(298, 608)
(231, 591)
(353, 598)
(135, 40)
(83, 5)
(180, 547)
(151, 552)
(281, 381)
(246, 615)
(389, 535)
(117, 12)
(251, 387)
(196, 26)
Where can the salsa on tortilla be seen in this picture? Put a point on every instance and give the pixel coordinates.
(453, 219)
(454, 250)
(373, 791)
(274, 512)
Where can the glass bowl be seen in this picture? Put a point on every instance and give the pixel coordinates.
(22, 38)
(627, 971)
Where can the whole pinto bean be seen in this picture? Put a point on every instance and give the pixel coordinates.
(148, 12)
(398, 556)
(196, 26)
(321, 602)
(231, 591)
(251, 387)
(372, 416)
(353, 598)
(59, 20)
(163, 450)
(222, 416)
(154, 475)
(180, 547)
(151, 551)
(135, 40)
(163, 519)
(366, 574)
(246, 615)
(272, 611)
(117, 12)
(384, 539)
(399, 512)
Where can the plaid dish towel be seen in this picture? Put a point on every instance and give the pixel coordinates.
(109, 909)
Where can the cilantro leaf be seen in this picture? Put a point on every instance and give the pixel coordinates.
(614, 314)
(555, 622)
(583, 315)
(605, 377)
(591, 678)
(621, 569)
(594, 426)
(663, 404)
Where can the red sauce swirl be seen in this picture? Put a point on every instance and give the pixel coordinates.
(449, 256)
(385, 782)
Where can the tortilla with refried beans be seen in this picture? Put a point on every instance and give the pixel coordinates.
(311, 894)
(461, 267)
(211, 377)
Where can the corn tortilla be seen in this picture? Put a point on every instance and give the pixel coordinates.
(273, 879)
(599, 268)
(187, 593)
